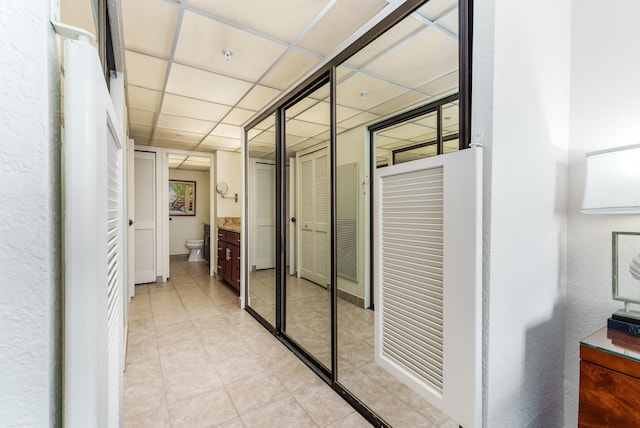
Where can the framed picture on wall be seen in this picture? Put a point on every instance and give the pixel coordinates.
(182, 197)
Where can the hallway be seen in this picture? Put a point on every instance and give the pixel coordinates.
(196, 360)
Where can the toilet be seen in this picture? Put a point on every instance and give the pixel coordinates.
(195, 249)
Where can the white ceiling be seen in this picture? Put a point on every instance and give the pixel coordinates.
(183, 94)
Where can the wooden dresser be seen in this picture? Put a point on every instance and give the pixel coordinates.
(229, 257)
(609, 380)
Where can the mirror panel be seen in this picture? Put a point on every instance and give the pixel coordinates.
(414, 64)
(261, 208)
(307, 198)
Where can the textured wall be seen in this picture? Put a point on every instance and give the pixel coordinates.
(29, 226)
(604, 109)
(523, 110)
(229, 170)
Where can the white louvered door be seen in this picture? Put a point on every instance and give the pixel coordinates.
(313, 220)
(94, 239)
(427, 245)
(145, 217)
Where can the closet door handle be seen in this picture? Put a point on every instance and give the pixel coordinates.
(228, 255)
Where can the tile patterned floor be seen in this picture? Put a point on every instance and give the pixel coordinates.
(196, 360)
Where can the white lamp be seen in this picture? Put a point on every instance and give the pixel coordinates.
(613, 187)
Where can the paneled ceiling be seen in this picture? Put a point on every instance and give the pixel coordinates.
(183, 91)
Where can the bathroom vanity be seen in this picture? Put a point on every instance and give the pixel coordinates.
(229, 254)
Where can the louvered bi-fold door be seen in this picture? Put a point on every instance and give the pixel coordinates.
(428, 259)
(94, 262)
(314, 216)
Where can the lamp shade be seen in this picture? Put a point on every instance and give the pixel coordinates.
(613, 181)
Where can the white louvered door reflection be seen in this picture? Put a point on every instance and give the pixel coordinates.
(427, 244)
(313, 221)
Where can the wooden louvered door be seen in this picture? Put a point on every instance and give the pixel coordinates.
(313, 212)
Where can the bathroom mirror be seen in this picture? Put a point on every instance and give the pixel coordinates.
(222, 188)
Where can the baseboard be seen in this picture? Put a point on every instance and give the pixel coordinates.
(358, 301)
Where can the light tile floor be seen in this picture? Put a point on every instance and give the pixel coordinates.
(195, 359)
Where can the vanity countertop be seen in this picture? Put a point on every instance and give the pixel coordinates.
(231, 224)
(230, 228)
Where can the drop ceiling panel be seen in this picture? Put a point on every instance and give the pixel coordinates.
(149, 26)
(238, 116)
(184, 124)
(434, 9)
(303, 129)
(424, 58)
(447, 84)
(407, 131)
(343, 113)
(206, 86)
(400, 103)
(359, 120)
(262, 137)
(342, 20)
(213, 141)
(276, 18)
(229, 131)
(389, 39)
(378, 91)
(290, 68)
(141, 117)
(174, 144)
(450, 23)
(178, 136)
(140, 131)
(202, 41)
(145, 71)
(259, 97)
(319, 113)
(144, 99)
(189, 107)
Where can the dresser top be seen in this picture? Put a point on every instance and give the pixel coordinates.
(614, 342)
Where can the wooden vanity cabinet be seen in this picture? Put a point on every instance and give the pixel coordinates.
(229, 257)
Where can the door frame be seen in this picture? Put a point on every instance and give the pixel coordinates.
(162, 206)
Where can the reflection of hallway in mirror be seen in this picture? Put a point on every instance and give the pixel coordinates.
(308, 307)
(262, 293)
(373, 385)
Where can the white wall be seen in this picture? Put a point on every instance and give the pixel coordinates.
(521, 73)
(605, 89)
(30, 235)
(182, 228)
(229, 170)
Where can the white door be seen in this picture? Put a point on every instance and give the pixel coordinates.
(313, 211)
(145, 217)
(265, 215)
